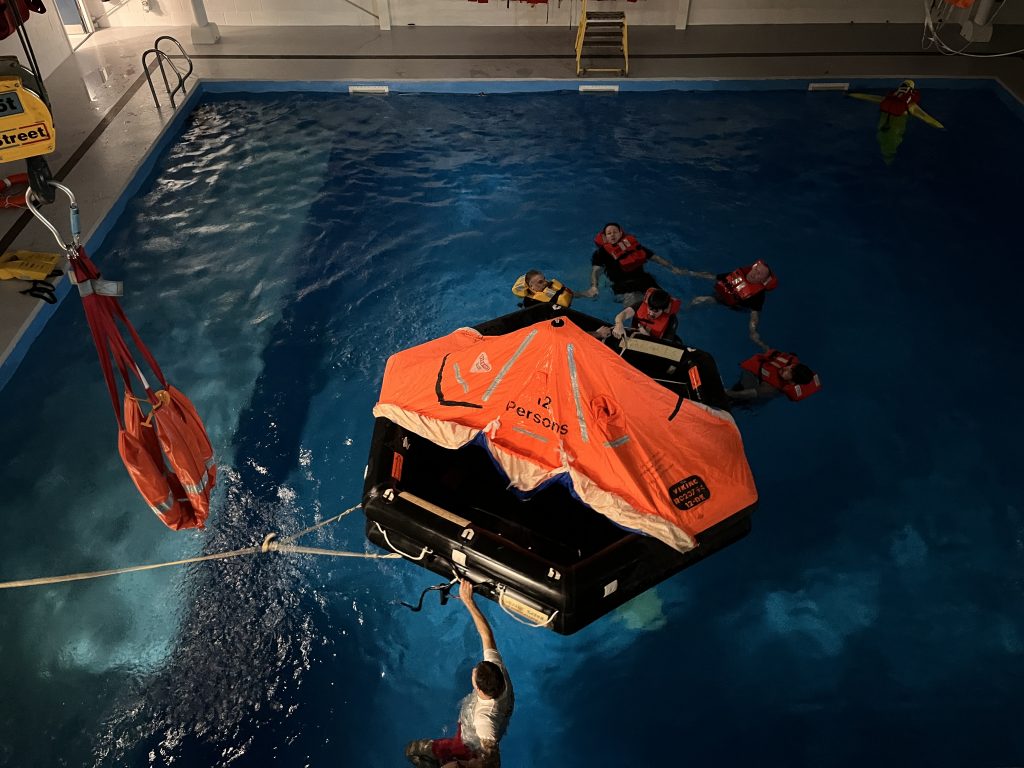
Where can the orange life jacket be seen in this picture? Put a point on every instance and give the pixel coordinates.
(899, 101)
(768, 368)
(659, 325)
(627, 252)
(734, 288)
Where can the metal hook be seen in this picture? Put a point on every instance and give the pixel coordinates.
(76, 232)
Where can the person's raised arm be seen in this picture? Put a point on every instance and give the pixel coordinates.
(482, 627)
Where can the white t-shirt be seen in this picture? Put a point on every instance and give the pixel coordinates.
(486, 719)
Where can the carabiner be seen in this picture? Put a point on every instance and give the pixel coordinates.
(76, 231)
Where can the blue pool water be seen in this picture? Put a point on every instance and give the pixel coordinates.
(288, 243)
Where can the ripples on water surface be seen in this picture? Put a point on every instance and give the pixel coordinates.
(287, 244)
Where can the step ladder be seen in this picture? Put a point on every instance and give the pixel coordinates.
(162, 57)
(602, 33)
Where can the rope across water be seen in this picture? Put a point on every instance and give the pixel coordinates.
(271, 543)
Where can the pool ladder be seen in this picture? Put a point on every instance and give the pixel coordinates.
(598, 32)
(161, 57)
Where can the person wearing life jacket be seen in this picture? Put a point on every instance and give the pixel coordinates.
(770, 374)
(534, 288)
(621, 257)
(745, 288)
(655, 316)
(894, 108)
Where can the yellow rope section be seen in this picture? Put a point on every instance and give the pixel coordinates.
(270, 544)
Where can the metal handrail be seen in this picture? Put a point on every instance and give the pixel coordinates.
(161, 57)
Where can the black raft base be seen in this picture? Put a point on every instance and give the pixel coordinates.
(550, 560)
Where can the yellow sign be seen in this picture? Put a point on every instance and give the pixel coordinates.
(26, 125)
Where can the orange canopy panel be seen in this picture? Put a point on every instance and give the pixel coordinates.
(550, 402)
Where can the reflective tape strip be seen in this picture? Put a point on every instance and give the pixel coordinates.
(197, 489)
(163, 506)
(528, 433)
(458, 378)
(576, 393)
(101, 288)
(617, 442)
(505, 368)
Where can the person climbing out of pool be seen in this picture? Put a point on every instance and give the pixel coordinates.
(770, 374)
(534, 288)
(621, 257)
(655, 316)
(744, 288)
(483, 714)
(894, 108)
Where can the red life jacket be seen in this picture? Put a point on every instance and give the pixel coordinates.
(898, 102)
(768, 368)
(627, 252)
(659, 325)
(734, 288)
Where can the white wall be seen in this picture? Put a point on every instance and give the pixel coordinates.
(49, 42)
(130, 13)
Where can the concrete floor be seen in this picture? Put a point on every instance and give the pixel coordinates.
(106, 119)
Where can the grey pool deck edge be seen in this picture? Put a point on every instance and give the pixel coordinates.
(116, 133)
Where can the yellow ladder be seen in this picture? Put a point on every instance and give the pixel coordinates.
(600, 32)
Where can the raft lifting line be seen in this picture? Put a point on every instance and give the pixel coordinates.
(270, 544)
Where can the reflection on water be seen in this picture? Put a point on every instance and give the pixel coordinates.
(287, 244)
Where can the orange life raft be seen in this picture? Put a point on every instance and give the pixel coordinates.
(552, 470)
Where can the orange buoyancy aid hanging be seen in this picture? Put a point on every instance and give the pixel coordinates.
(167, 453)
(627, 251)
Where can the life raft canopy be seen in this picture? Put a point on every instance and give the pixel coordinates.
(551, 403)
(530, 458)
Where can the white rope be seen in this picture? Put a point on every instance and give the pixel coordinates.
(930, 36)
(270, 544)
(506, 609)
(393, 548)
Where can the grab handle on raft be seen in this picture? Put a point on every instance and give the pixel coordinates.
(393, 548)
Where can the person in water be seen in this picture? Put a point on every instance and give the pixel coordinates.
(621, 257)
(745, 288)
(483, 714)
(894, 109)
(655, 316)
(767, 375)
(534, 288)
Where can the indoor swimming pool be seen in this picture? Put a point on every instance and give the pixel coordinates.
(285, 244)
